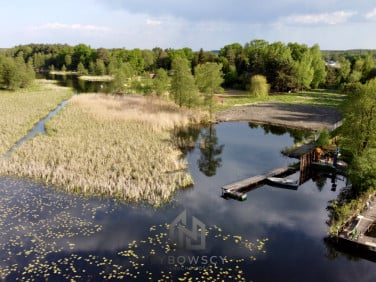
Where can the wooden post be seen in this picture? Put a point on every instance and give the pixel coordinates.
(305, 163)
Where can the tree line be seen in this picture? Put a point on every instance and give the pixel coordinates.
(286, 67)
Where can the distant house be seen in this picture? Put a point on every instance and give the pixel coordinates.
(333, 64)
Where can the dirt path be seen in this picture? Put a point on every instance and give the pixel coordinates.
(290, 115)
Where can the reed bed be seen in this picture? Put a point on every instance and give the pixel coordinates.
(104, 145)
(20, 110)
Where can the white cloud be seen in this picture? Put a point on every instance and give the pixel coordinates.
(77, 27)
(153, 22)
(323, 18)
(371, 15)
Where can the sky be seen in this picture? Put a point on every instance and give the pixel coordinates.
(207, 24)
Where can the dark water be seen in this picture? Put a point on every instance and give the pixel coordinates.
(80, 86)
(39, 128)
(275, 235)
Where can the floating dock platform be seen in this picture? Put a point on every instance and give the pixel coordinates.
(237, 190)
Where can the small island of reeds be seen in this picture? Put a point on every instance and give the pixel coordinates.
(108, 145)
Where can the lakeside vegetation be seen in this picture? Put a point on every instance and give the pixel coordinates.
(287, 73)
(105, 145)
(357, 136)
(22, 109)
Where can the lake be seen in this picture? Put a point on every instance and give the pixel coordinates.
(275, 235)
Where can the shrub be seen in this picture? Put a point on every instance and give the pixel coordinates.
(259, 86)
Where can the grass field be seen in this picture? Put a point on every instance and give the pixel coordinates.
(106, 145)
(314, 97)
(20, 110)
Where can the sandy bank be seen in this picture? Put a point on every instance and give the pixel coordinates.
(290, 115)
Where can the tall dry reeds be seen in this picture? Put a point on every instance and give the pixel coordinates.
(116, 146)
(153, 112)
(21, 109)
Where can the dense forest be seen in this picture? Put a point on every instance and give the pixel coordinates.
(287, 67)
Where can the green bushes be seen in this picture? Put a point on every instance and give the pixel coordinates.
(259, 86)
(14, 73)
(343, 210)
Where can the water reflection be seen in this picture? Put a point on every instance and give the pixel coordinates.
(297, 134)
(46, 232)
(79, 85)
(210, 152)
(185, 137)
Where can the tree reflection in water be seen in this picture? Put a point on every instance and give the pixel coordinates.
(210, 151)
(185, 137)
(297, 134)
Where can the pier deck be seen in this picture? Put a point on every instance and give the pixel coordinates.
(255, 180)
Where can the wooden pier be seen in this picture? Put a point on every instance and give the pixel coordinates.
(356, 231)
(238, 189)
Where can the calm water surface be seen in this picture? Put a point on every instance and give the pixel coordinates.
(275, 235)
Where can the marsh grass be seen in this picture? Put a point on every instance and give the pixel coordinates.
(104, 145)
(21, 109)
(155, 113)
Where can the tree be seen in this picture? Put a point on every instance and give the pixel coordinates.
(68, 60)
(209, 77)
(122, 78)
(100, 68)
(10, 77)
(259, 86)
(359, 127)
(81, 69)
(318, 65)
(277, 59)
(149, 60)
(368, 66)
(362, 171)
(305, 71)
(183, 86)
(82, 54)
(161, 82)
(257, 50)
(14, 73)
(343, 71)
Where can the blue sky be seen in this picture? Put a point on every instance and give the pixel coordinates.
(208, 24)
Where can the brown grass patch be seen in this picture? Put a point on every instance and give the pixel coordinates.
(156, 113)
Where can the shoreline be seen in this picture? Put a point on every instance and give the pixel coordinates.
(298, 116)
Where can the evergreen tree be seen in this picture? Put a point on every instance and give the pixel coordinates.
(183, 88)
(161, 82)
(81, 69)
(209, 77)
(14, 73)
(100, 68)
